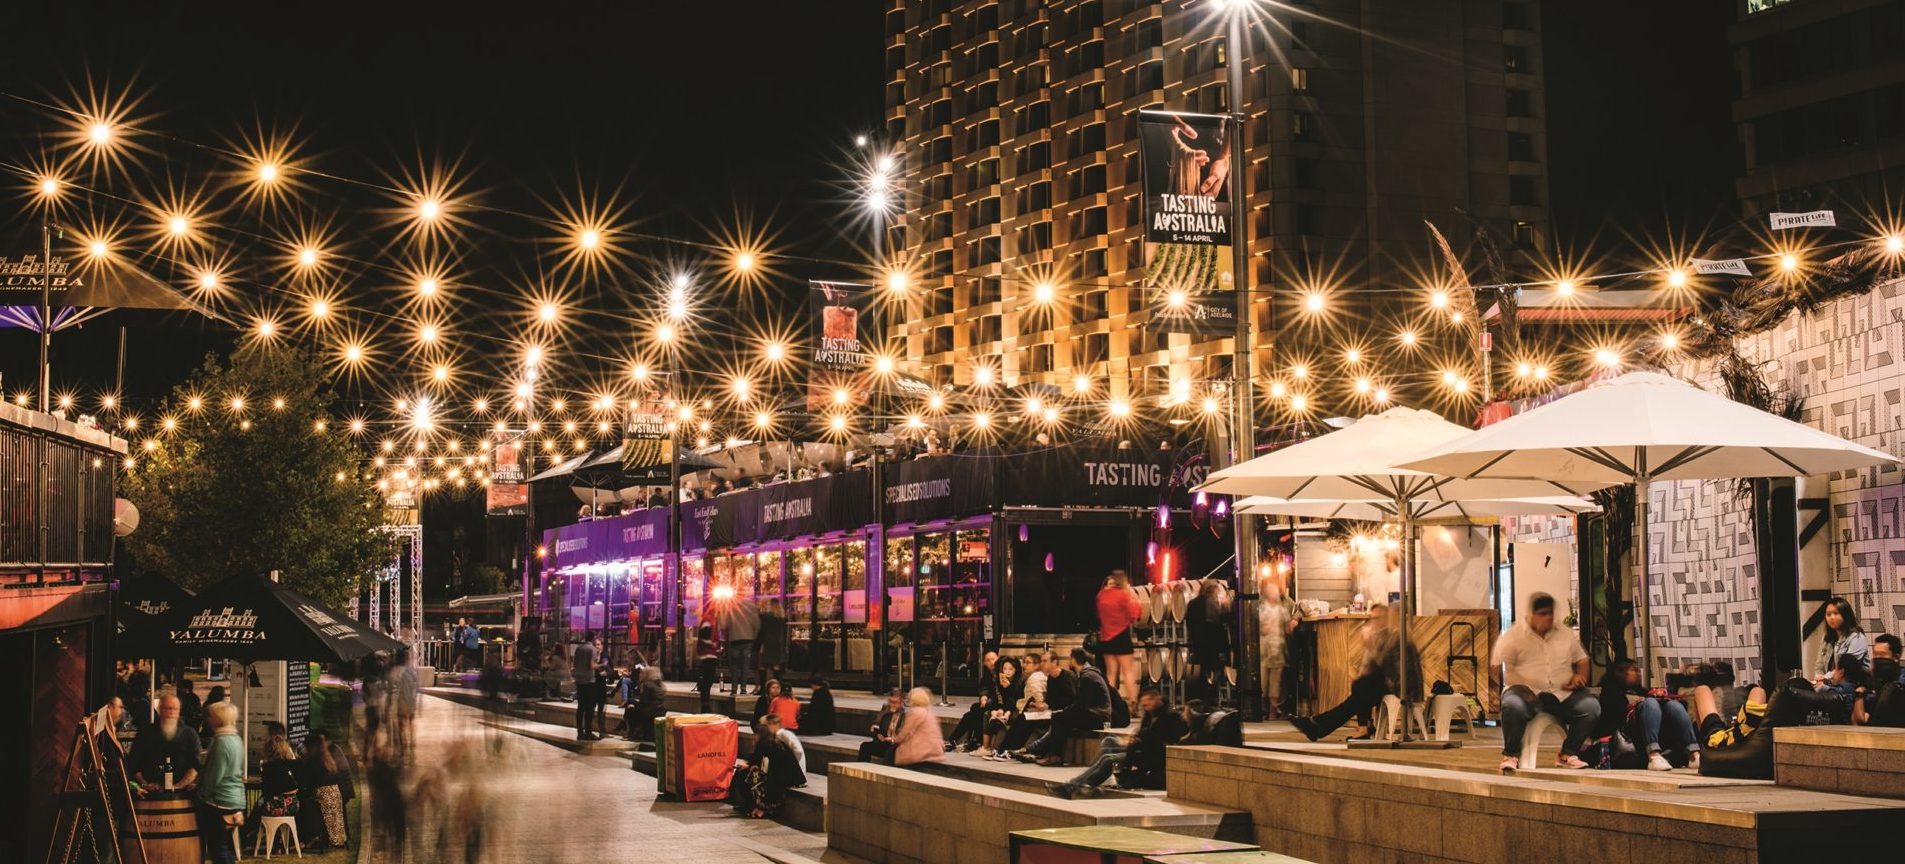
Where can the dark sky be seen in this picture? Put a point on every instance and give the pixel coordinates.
(688, 108)
(694, 108)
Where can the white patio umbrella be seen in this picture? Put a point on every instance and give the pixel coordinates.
(1374, 511)
(1357, 464)
(1641, 427)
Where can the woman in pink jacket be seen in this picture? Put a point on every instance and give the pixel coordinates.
(919, 738)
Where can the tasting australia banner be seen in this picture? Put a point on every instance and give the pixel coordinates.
(842, 324)
(1186, 162)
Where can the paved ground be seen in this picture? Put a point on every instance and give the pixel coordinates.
(540, 803)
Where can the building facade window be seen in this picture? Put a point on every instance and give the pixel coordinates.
(1521, 191)
(1521, 103)
(1521, 147)
(1515, 59)
(1299, 79)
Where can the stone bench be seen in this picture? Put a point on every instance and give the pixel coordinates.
(884, 813)
(1855, 760)
(1337, 808)
(805, 808)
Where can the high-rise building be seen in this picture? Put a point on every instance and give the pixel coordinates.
(1015, 124)
(1821, 111)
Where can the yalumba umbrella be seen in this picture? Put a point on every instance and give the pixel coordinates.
(143, 604)
(251, 618)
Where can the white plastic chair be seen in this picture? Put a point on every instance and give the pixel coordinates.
(1531, 738)
(1389, 718)
(268, 828)
(1443, 709)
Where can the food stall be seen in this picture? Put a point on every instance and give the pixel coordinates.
(611, 576)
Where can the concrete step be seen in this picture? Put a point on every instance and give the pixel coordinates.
(806, 807)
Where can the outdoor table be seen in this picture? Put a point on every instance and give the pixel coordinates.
(1108, 844)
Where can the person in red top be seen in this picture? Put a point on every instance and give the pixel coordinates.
(1118, 609)
(780, 702)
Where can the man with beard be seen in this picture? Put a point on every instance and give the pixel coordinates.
(168, 746)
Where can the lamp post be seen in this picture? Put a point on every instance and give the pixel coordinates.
(877, 197)
(1243, 429)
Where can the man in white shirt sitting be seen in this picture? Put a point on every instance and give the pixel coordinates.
(1544, 669)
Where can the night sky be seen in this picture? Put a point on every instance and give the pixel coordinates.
(695, 111)
(692, 110)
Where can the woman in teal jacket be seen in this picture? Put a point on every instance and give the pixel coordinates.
(221, 785)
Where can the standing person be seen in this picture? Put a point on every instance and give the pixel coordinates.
(741, 625)
(205, 723)
(1544, 670)
(770, 645)
(707, 665)
(323, 777)
(1118, 609)
(918, 739)
(165, 756)
(406, 691)
(1138, 758)
(469, 645)
(1089, 710)
(221, 787)
(1276, 620)
(1209, 632)
(1843, 635)
(582, 672)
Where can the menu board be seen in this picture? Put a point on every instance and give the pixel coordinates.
(297, 701)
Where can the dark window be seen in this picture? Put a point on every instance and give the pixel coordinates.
(1033, 77)
(1097, 345)
(987, 57)
(1037, 196)
(1524, 235)
(896, 128)
(938, 302)
(1091, 180)
(895, 60)
(987, 96)
(1038, 360)
(940, 225)
(1300, 126)
(1521, 103)
(1092, 222)
(1300, 32)
(1306, 219)
(1088, 140)
(942, 340)
(1213, 98)
(940, 151)
(987, 251)
(1303, 173)
(1034, 117)
(986, 134)
(1092, 263)
(941, 265)
(1515, 59)
(1150, 34)
(1088, 14)
(985, 18)
(987, 213)
(940, 39)
(1030, 40)
(989, 290)
(1514, 15)
(1521, 147)
(1521, 191)
(1151, 76)
(1089, 56)
(895, 22)
(1090, 97)
(895, 93)
(1035, 157)
(939, 188)
(1036, 238)
(1819, 127)
(985, 172)
(939, 113)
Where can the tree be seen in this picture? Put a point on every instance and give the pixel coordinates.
(246, 483)
(485, 579)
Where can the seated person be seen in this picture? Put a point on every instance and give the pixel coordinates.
(644, 706)
(1380, 676)
(1882, 702)
(918, 739)
(279, 788)
(885, 725)
(1089, 710)
(1847, 678)
(818, 715)
(1046, 683)
(777, 764)
(1138, 759)
(1649, 719)
(773, 700)
(972, 724)
(1544, 670)
(1005, 691)
(1718, 731)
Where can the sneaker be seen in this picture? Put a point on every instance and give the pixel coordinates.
(1657, 762)
(1025, 757)
(1511, 764)
(1051, 761)
(1569, 761)
(1306, 726)
(1062, 790)
(982, 753)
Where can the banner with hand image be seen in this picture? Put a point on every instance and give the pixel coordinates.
(1186, 164)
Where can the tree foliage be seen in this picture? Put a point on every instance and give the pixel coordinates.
(218, 499)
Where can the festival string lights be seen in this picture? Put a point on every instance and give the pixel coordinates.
(438, 346)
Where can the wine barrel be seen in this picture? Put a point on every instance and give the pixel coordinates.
(169, 826)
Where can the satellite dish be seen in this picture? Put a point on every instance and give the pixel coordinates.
(125, 517)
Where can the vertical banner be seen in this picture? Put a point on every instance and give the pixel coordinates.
(646, 448)
(842, 327)
(1186, 165)
(507, 494)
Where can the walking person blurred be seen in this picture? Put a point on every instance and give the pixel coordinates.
(1118, 609)
(582, 671)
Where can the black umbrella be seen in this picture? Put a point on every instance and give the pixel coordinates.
(251, 618)
(143, 602)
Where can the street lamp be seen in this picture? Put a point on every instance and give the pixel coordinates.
(1243, 429)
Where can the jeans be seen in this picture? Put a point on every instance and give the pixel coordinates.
(586, 698)
(1664, 722)
(1577, 714)
(1064, 723)
(215, 836)
(740, 663)
(1110, 756)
